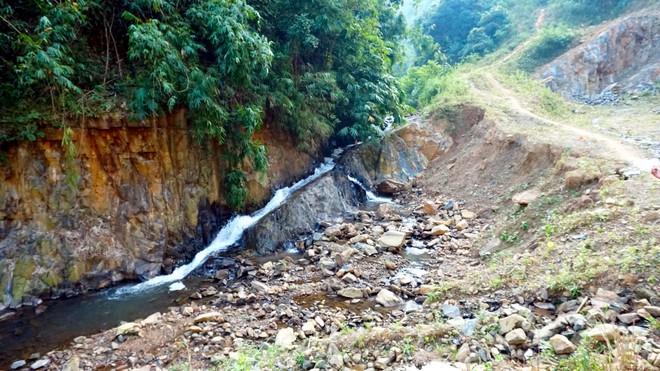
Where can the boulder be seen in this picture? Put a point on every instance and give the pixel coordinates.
(388, 299)
(351, 293)
(130, 328)
(392, 239)
(510, 323)
(562, 345)
(527, 197)
(209, 317)
(439, 230)
(390, 187)
(516, 337)
(466, 214)
(602, 333)
(285, 337)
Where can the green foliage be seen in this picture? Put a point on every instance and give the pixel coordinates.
(315, 69)
(588, 12)
(546, 46)
(432, 82)
(466, 27)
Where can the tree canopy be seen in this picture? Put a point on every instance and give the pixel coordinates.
(316, 68)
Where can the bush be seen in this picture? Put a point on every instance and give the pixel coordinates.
(432, 82)
(546, 46)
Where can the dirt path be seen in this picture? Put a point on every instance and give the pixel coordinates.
(606, 146)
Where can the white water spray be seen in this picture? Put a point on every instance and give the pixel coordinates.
(370, 195)
(227, 237)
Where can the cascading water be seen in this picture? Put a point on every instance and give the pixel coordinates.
(371, 197)
(227, 237)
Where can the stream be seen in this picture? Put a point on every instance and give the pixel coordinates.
(30, 331)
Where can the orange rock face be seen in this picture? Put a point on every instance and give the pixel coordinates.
(138, 194)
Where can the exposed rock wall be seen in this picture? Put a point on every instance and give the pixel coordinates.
(144, 192)
(626, 53)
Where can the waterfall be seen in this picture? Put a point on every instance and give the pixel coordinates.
(370, 195)
(226, 238)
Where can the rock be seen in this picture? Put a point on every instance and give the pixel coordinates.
(463, 352)
(628, 318)
(430, 208)
(369, 250)
(17, 364)
(152, 319)
(653, 310)
(382, 363)
(333, 231)
(576, 179)
(209, 317)
(285, 337)
(392, 239)
(548, 331)
(309, 328)
(510, 323)
(527, 197)
(562, 345)
(349, 278)
(465, 214)
(72, 365)
(462, 225)
(603, 333)
(383, 210)
(439, 230)
(130, 328)
(40, 363)
(388, 299)
(390, 187)
(260, 287)
(336, 360)
(327, 263)
(451, 311)
(516, 337)
(389, 265)
(351, 293)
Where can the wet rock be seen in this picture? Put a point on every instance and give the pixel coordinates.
(527, 197)
(388, 299)
(18, 364)
(602, 333)
(562, 345)
(209, 317)
(392, 239)
(510, 323)
(285, 337)
(351, 293)
(516, 337)
(40, 363)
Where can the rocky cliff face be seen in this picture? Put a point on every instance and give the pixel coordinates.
(627, 53)
(400, 156)
(145, 195)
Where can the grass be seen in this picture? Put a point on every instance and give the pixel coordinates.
(544, 99)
